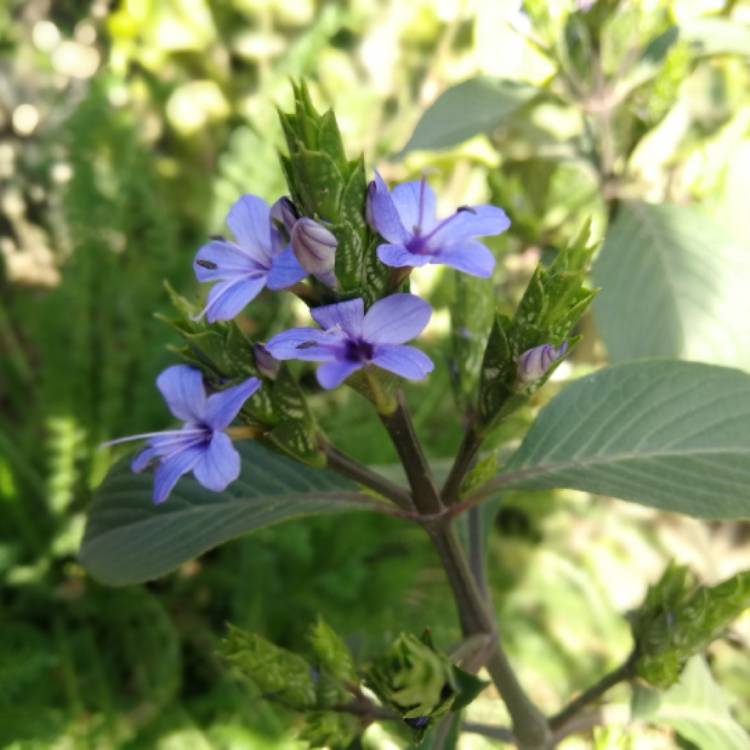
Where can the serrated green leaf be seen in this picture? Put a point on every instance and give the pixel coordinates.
(674, 285)
(318, 182)
(478, 105)
(129, 540)
(672, 435)
(472, 311)
(331, 652)
(280, 675)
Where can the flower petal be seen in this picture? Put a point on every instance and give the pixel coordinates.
(336, 372)
(222, 407)
(382, 213)
(407, 361)
(219, 463)
(396, 319)
(471, 257)
(171, 469)
(220, 260)
(469, 222)
(227, 299)
(250, 220)
(182, 389)
(346, 315)
(398, 256)
(285, 270)
(415, 203)
(305, 343)
(142, 459)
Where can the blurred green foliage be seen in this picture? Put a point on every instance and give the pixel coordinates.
(125, 133)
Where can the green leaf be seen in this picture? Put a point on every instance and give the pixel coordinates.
(696, 708)
(673, 285)
(649, 64)
(478, 105)
(716, 36)
(673, 435)
(129, 540)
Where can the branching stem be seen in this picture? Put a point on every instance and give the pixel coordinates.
(405, 440)
(462, 464)
(622, 673)
(530, 728)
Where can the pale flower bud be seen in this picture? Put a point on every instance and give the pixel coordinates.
(315, 249)
(285, 213)
(265, 361)
(534, 363)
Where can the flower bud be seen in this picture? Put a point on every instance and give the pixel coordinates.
(285, 213)
(315, 249)
(534, 363)
(265, 361)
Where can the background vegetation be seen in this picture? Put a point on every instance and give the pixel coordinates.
(127, 129)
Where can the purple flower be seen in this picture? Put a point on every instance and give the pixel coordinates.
(200, 446)
(351, 339)
(534, 363)
(405, 218)
(285, 213)
(241, 269)
(315, 248)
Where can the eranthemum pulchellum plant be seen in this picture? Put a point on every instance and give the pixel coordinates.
(346, 246)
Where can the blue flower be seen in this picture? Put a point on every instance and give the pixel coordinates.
(241, 269)
(405, 218)
(201, 446)
(351, 339)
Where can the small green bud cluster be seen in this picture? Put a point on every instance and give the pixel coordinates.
(420, 683)
(331, 189)
(680, 618)
(553, 303)
(413, 679)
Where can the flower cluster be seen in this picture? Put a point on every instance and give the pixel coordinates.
(276, 247)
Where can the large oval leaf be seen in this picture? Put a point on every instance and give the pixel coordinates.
(478, 105)
(129, 540)
(673, 435)
(673, 285)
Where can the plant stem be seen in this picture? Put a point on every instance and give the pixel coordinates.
(352, 469)
(404, 438)
(467, 452)
(622, 673)
(530, 728)
(529, 725)
(487, 730)
(477, 558)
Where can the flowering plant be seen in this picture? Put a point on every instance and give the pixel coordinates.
(347, 247)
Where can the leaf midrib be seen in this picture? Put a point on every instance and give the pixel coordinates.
(343, 497)
(513, 476)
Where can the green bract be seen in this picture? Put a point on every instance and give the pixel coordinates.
(554, 301)
(679, 619)
(279, 410)
(279, 674)
(419, 682)
(328, 187)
